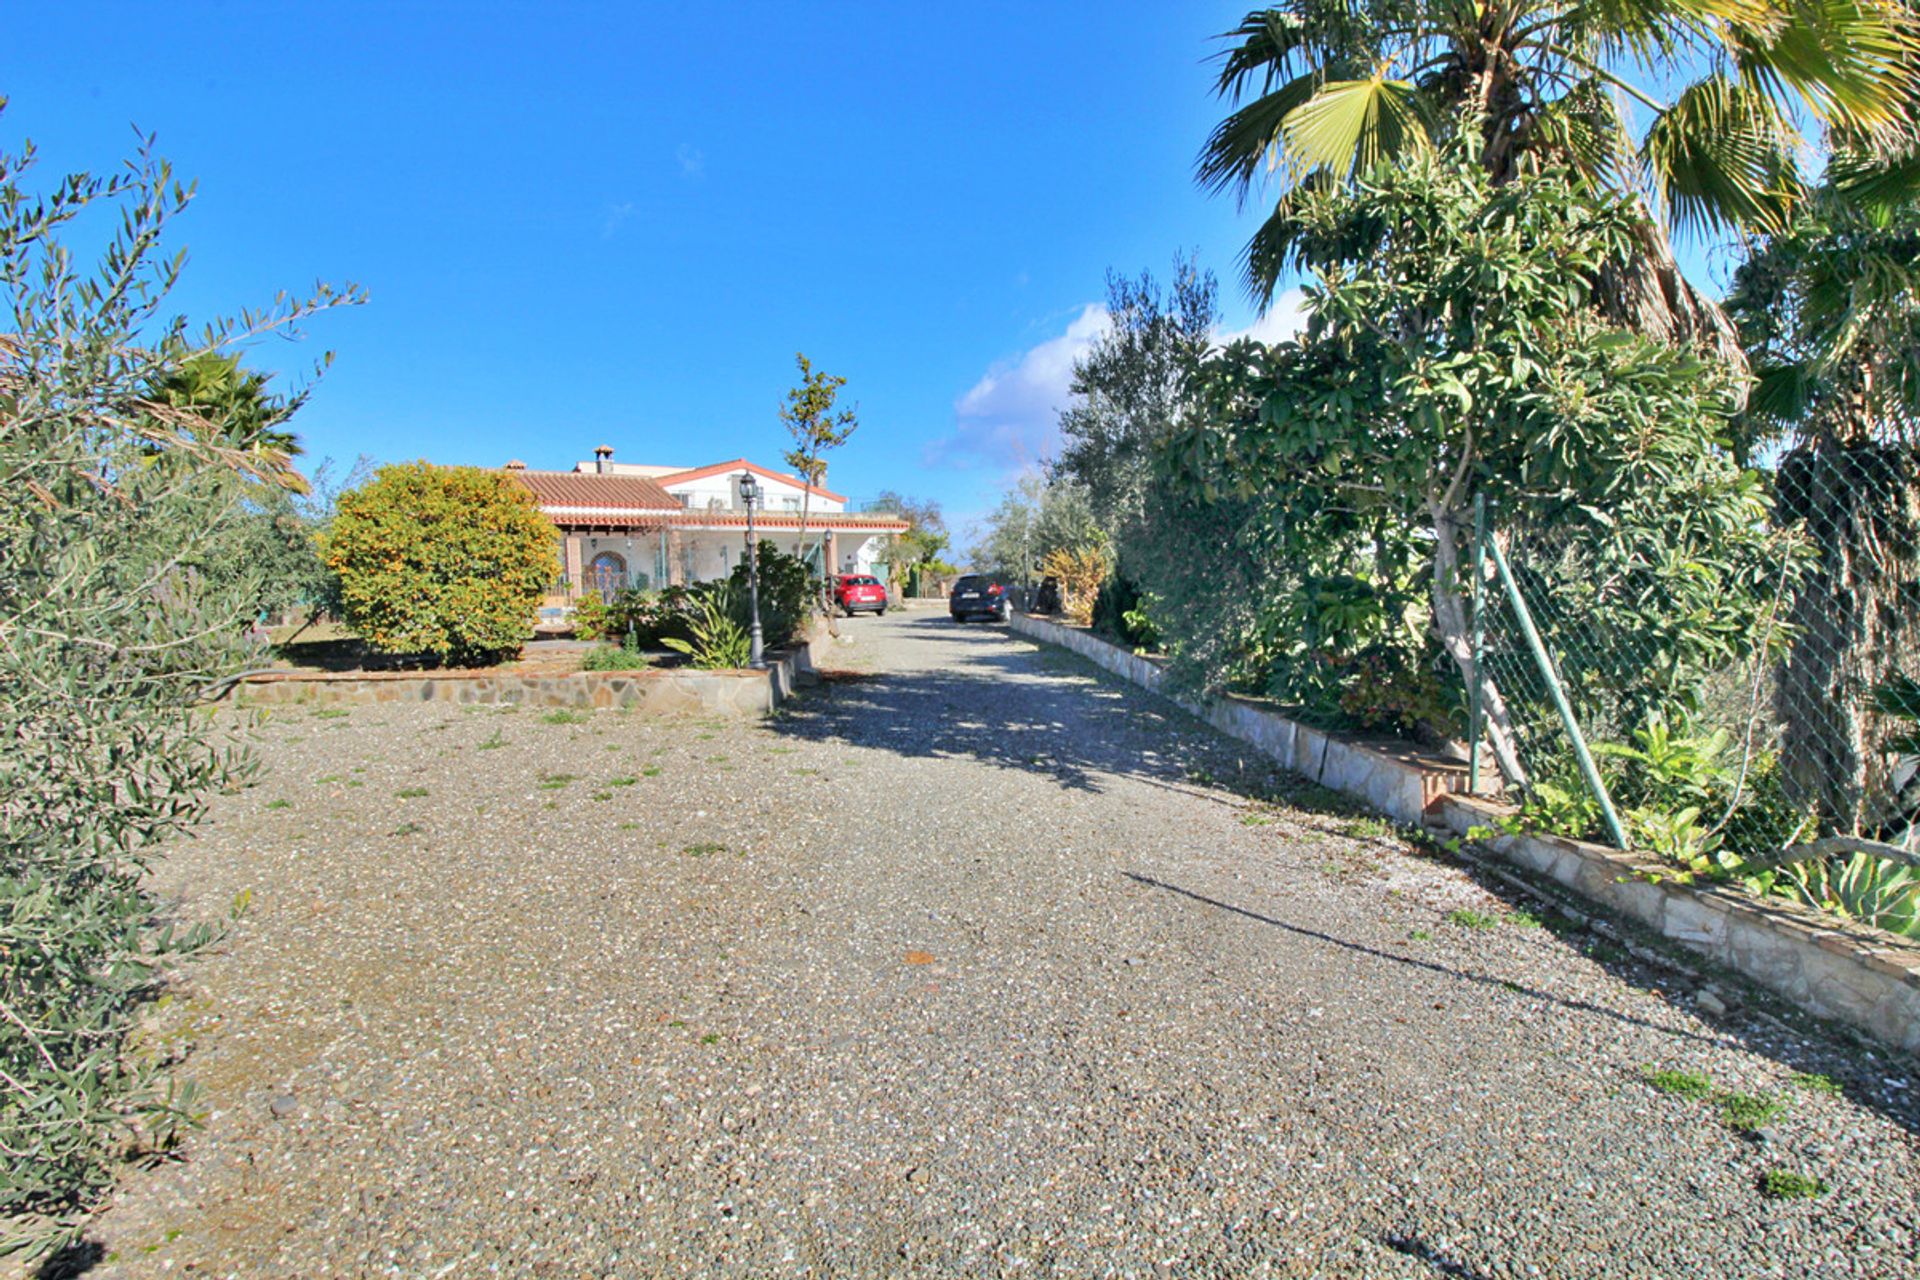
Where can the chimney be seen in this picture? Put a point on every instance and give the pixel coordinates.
(516, 465)
(603, 459)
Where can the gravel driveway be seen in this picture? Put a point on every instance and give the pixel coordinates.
(970, 963)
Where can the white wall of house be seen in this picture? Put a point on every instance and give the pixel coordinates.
(861, 555)
(776, 495)
(649, 560)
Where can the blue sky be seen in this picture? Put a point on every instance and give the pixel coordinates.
(617, 223)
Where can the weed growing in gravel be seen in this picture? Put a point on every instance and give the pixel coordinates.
(603, 795)
(651, 771)
(1785, 1184)
(326, 778)
(1681, 1084)
(410, 793)
(1523, 919)
(1367, 828)
(555, 781)
(560, 715)
(622, 782)
(1507, 984)
(781, 751)
(628, 826)
(1745, 1112)
(407, 829)
(1420, 935)
(493, 743)
(1814, 1082)
(355, 782)
(279, 804)
(712, 1037)
(551, 804)
(1467, 918)
(807, 773)
(1257, 819)
(331, 713)
(703, 848)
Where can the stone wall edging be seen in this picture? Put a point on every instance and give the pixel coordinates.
(677, 691)
(1828, 966)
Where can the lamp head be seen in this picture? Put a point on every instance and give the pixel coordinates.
(749, 491)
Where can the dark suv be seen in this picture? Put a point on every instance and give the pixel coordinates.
(976, 596)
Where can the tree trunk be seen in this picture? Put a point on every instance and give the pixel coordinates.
(1854, 626)
(1450, 612)
(1650, 296)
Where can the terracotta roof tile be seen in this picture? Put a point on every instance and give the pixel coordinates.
(570, 491)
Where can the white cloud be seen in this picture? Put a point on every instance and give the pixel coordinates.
(1285, 318)
(617, 215)
(1010, 418)
(692, 160)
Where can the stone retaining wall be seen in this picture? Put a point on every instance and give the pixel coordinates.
(1826, 965)
(1392, 777)
(675, 691)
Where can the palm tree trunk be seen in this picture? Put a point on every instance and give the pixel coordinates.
(1650, 296)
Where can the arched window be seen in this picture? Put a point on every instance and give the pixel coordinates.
(607, 574)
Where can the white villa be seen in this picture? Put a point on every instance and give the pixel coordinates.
(626, 524)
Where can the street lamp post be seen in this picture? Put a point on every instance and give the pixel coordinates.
(749, 492)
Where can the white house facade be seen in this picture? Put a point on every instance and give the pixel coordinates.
(632, 525)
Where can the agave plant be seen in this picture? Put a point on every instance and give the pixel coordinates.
(717, 642)
(1878, 891)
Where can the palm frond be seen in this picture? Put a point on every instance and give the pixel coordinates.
(1241, 143)
(1350, 125)
(1720, 158)
(1278, 246)
(1850, 61)
(1872, 182)
(1266, 43)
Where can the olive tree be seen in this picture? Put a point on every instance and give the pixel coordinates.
(114, 634)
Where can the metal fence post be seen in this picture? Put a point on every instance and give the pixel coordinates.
(1587, 768)
(1474, 709)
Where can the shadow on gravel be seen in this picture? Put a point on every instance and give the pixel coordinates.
(71, 1260)
(1047, 712)
(1478, 979)
(1008, 709)
(1415, 1247)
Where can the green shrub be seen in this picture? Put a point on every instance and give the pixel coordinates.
(593, 617)
(450, 561)
(1124, 613)
(608, 657)
(788, 591)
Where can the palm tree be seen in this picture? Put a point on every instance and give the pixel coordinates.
(1829, 314)
(1324, 89)
(219, 403)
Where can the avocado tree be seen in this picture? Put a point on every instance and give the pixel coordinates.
(1452, 352)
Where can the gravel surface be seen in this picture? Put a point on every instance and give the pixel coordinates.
(972, 962)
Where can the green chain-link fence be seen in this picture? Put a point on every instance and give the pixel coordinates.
(1767, 733)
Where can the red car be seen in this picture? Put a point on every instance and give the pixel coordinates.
(857, 591)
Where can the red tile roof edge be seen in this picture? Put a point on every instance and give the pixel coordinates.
(741, 464)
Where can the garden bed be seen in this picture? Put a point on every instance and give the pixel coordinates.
(547, 679)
